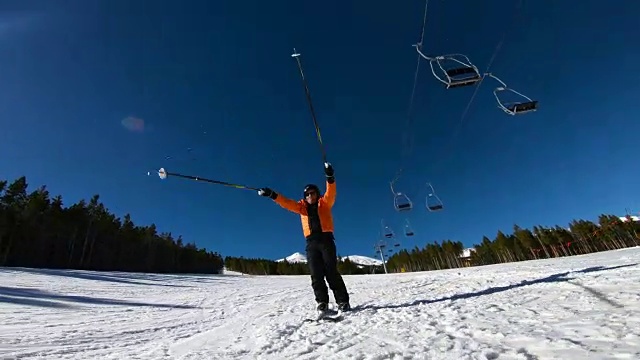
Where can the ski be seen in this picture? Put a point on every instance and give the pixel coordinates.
(329, 315)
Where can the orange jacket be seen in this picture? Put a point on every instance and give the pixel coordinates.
(325, 203)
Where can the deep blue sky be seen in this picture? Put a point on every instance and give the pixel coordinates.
(217, 77)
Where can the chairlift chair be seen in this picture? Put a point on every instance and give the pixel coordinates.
(408, 230)
(434, 206)
(401, 202)
(460, 72)
(432, 201)
(459, 76)
(387, 232)
(513, 107)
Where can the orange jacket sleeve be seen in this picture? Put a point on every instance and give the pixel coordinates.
(291, 205)
(330, 195)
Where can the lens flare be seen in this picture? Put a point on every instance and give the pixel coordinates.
(133, 124)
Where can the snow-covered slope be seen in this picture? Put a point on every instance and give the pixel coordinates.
(582, 307)
(357, 259)
(225, 271)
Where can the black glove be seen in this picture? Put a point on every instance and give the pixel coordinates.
(268, 193)
(328, 172)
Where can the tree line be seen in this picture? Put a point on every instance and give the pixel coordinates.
(581, 237)
(37, 231)
(257, 266)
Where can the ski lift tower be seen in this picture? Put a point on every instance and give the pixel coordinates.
(380, 247)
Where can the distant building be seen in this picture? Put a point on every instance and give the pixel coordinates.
(466, 256)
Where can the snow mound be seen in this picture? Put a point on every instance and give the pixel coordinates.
(356, 259)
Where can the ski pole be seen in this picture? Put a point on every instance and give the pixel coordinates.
(164, 174)
(296, 55)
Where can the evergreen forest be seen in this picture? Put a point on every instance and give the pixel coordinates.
(38, 231)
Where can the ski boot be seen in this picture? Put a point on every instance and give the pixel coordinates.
(322, 309)
(343, 307)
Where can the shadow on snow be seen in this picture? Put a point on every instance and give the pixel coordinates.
(37, 297)
(122, 278)
(34, 302)
(560, 277)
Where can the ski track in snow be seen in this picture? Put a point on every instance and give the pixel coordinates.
(583, 307)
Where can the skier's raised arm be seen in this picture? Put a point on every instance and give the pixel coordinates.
(297, 207)
(330, 194)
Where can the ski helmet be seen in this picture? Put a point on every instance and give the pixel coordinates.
(311, 187)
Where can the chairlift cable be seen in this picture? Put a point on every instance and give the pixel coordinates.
(461, 122)
(401, 201)
(415, 85)
(407, 138)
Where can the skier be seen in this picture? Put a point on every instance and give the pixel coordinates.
(317, 227)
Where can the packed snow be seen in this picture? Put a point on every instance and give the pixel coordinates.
(356, 259)
(582, 307)
(226, 271)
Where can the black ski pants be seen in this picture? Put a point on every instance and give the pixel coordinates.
(323, 263)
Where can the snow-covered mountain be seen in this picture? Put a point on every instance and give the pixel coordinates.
(356, 259)
(363, 260)
(294, 258)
